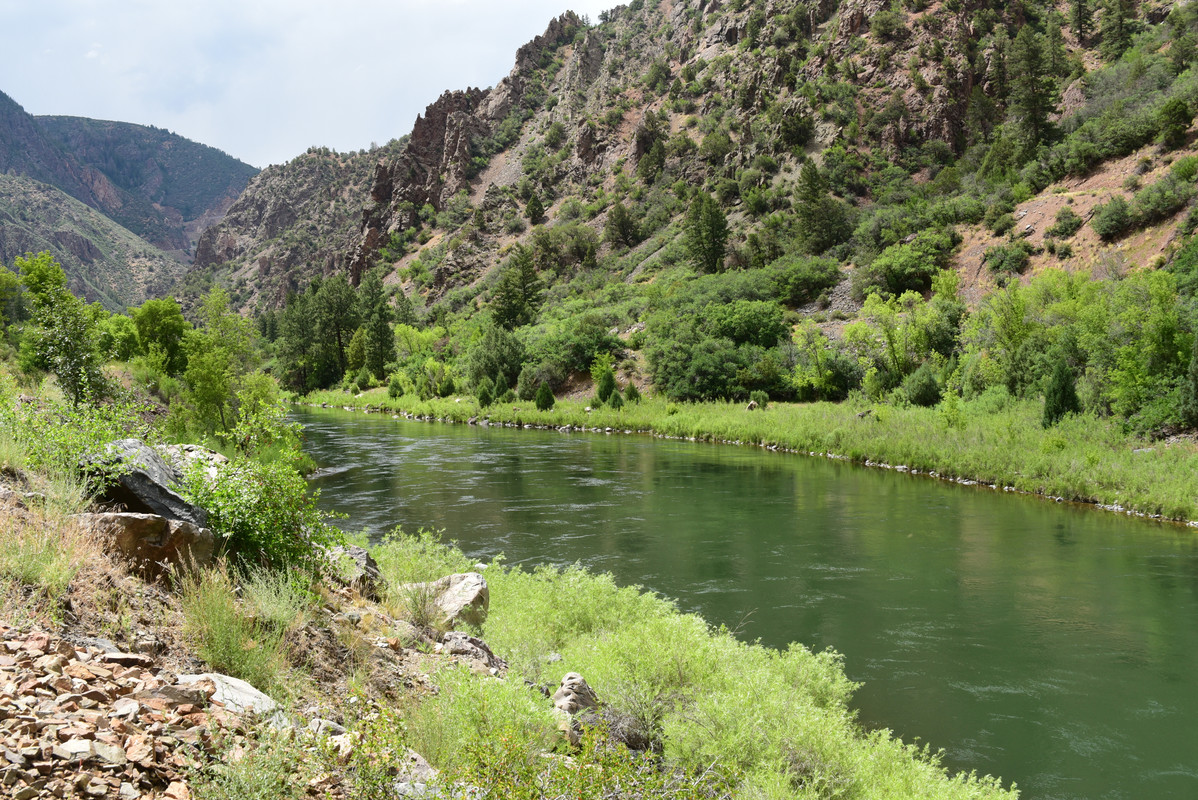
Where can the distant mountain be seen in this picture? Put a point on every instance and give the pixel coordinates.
(180, 186)
(150, 182)
(104, 262)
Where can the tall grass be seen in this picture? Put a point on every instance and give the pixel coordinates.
(993, 439)
(778, 720)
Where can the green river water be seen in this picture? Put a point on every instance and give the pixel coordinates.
(1054, 646)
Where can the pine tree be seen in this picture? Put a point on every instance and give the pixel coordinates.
(1030, 93)
(545, 397)
(1081, 18)
(620, 227)
(1173, 120)
(706, 233)
(1061, 397)
(517, 296)
(606, 385)
(534, 210)
(485, 393)
(1115, 29)
(822, 219)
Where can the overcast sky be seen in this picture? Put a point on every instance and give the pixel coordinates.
(262, 79)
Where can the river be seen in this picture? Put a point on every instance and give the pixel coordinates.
(1054, 646)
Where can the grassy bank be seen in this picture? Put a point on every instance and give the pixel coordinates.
(993, 439)
(765, 723)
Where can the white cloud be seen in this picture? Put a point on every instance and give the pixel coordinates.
(261, 79)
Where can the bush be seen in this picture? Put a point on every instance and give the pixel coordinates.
(545, 398)
(262, 513)
(762, 399)
(1009, 258)
(921, 387)
(615, 401)
(484, 393)
(1112, 219)
(395, 387)
(1067, 224)
(1161, 200)
(606, 385)
(798, 280)
(1061, 397)
(632, 394)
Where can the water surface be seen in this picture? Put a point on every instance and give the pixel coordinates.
(1052, 645)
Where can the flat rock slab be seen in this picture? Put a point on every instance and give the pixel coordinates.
(233, 693)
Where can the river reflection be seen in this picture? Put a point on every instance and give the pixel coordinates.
(1051, 645)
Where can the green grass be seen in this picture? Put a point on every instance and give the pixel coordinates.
(776, 723)
(992, 440)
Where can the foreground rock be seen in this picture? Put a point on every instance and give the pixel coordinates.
(460, 598)
(575, 703)
(356, 568)
(152, 542)
(76, 721)
(146, 484)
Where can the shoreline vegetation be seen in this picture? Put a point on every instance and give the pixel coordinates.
(710, 716)
(994, 441)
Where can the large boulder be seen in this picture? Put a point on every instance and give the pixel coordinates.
(575, 703)
(233, 693)
(154, 542)
(144, 483)
(463, 597)
(460, 643)
(183, 456)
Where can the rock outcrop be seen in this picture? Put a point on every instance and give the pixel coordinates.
(144, 483)
(354, 567)
(153, 543)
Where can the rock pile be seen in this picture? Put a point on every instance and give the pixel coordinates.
(77, 721)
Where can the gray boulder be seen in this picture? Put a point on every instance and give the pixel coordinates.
(233, 693)
(459, 643)
(463, 597)
(145, 483)
(183, 456)
(153, 542)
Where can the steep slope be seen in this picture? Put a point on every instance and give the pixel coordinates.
(176, 187)
(103, 261)
(293, 221)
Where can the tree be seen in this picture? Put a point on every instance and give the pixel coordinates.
(1061, 397)
(66, 340)
(516, 298)
(496, 353)
(1054, 46)
(160, 325)
(1189, 390)
(1173, 119)
(652, 162)
(706, 230)
(545, 399)
(620, 227)
(485, 392)
(606, 384)
(1031, 92)
(10, 293)
(337, 314)
(822, 219)
(534, 210)
(1116, 28)
(1081, 18)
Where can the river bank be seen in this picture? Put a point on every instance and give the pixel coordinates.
(994, 441)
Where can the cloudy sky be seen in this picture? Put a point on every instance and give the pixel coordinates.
(262, 79)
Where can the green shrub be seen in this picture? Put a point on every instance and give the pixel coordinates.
(615, 401)
(1161, 200)
(484, 393)
(759, 397)
(1010, 258)
(544, 399)
(1067, 223)
(798, 279)
(632, 394)
(1061, 397)
(921, 387)
(262, 513)
(1112, 219)
(395, 387)
(606, 385)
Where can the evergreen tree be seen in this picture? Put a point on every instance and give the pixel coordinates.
(606, 385)
(652, 162)
(1181, 49)
(337, 315)
(615, 401)
(544, 398)
(706, 233)
(632, 394)
(1081, 18)
(620, 227)
(534, 210)
(403, 313)
(1173, 119)
(516, 298)
(1030, 93)
(379, 342)
(485, 393)
(1115, 28)
(1061, 397)
(823, 220)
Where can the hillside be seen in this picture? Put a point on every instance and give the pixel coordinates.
(294, 221)
(186, 185)
(103, 261)
(762, 196)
